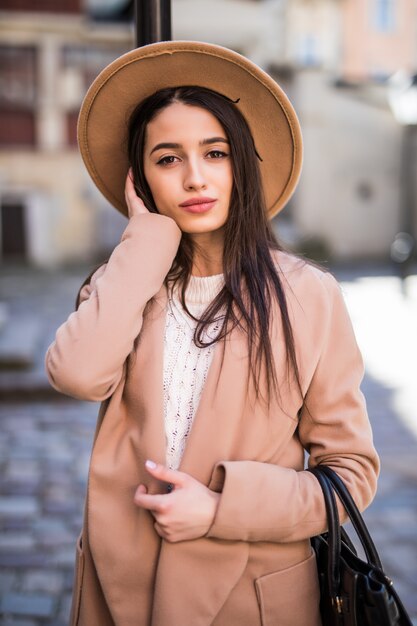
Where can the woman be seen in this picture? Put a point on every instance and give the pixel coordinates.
(218, 359)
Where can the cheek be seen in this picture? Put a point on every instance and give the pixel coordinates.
(161, 195)
(229, 187)
(158, 190)
(228, 179)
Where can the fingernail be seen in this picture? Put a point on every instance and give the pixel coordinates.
(150, 464)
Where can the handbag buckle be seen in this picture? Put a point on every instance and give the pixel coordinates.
(338, 601)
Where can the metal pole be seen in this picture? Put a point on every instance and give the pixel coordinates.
(404, 245)
(408, 193)
(152, 21)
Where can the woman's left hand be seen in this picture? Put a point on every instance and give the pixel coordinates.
(184, 513)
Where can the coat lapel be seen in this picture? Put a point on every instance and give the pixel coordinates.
(223, 400)
(212, 436)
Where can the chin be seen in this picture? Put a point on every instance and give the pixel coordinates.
(200, 224)
(200, 229)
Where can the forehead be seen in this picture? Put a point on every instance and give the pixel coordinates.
(180, 120)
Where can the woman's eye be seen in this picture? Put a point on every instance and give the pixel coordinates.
(216, 154)
(167, 160)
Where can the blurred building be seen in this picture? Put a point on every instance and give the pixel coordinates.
(379, 37)
(348, 203)
(313, 34)
(50, 51)
(331, 56)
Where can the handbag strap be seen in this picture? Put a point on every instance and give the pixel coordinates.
(331, 483)
(333, 535)
(355, 517)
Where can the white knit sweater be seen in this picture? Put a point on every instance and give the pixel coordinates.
(186, 365)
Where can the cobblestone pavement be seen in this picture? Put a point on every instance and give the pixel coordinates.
(45, 450)
(44, 453)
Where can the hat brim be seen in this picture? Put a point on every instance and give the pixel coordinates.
(105, 111)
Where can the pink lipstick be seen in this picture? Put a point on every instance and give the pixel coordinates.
(198, 205)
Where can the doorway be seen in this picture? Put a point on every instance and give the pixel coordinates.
(13, 231)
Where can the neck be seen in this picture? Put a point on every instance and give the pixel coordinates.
(208, 253)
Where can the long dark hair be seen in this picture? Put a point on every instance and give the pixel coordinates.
(251, 276)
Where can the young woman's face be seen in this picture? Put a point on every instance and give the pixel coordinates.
(187, 165)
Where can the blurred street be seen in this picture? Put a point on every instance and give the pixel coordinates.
(45, 440)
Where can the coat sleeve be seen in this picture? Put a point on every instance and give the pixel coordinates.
(266, 502)
(86, 359)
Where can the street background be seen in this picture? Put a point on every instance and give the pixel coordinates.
(350, 70)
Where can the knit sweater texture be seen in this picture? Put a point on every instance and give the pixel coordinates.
(185, 364)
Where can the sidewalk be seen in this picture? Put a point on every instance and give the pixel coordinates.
(45, 442)
(386, 329)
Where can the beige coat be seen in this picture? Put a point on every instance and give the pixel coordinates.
(255, 566)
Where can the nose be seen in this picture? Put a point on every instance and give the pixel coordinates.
(194, 177)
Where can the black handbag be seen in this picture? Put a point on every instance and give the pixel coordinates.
(353, 592)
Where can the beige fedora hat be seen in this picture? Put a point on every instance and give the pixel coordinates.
(104, 114)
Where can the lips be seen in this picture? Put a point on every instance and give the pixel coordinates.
(198, 205)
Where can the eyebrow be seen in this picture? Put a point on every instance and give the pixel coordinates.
(176, 146)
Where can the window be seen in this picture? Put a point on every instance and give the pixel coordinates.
(307, 51)
(17, 95)
(89, 60)
(50, 6)
(384, 15)
(110, 10)
(81, 65)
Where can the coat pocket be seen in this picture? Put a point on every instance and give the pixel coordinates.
(78, 581)
(290, 597)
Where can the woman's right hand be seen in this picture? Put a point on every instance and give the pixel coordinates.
(135, 205)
